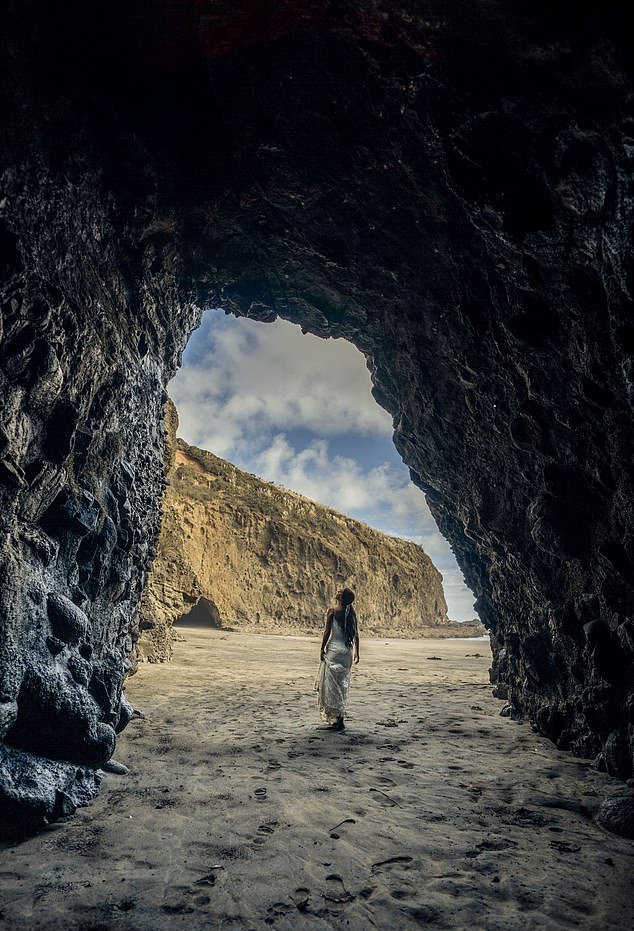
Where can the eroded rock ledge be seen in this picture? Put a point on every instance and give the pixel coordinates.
(255, 557)
(448, 189)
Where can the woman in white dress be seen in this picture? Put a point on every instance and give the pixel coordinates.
(339, 649)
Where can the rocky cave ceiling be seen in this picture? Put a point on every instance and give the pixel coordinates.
(448, 186)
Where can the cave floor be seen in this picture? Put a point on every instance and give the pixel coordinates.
(431, 810)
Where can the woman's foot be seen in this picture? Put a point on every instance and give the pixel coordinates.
(338, 725)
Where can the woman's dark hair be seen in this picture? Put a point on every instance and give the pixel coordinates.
(349, 616)
(347, 597)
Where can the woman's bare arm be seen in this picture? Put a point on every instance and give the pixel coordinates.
(327, 629)
(356, 640)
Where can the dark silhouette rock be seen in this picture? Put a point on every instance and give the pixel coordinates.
(447, 188)
(36, 790)
(616, 813)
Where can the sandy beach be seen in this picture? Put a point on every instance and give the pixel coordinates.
(238, 811)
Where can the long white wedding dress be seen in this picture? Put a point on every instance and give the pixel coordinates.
(334, 674)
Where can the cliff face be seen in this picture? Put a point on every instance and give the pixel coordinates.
(446, 186)
(263, 558)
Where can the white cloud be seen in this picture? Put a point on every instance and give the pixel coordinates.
(342, 483)
(248, 379)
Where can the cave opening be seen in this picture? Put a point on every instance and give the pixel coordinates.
(297, 411)
(266, 413)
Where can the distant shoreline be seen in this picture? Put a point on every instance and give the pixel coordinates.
(316, 635)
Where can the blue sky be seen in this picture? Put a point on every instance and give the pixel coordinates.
(297, 410)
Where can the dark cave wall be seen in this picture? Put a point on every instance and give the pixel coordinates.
(448, 189)
(86, 345)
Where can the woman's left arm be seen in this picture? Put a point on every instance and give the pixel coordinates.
(356, 641)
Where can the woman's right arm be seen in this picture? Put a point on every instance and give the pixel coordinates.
(327, 629)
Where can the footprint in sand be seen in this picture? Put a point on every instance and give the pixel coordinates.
(422, 915)
(177, 907)
(267, 828)
(183, 900)
(384, 780)
(384, 799)
(260, 794)
(389, 870)
(301, 898)
(336, 891)
(498, 843)
(208, 880)
(335, 832)
(277, 910)
(391, 861)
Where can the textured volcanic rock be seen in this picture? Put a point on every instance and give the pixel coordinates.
(448, 188)
(258, 557)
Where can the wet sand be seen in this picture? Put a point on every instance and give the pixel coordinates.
(429, 811)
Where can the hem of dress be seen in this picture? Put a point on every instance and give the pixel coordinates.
(331, 716)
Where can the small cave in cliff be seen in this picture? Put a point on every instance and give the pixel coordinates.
(203, 613)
